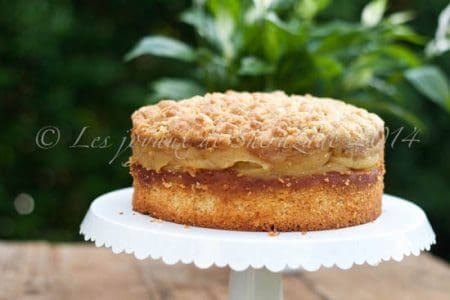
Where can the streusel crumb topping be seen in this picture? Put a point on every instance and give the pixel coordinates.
(260, 120)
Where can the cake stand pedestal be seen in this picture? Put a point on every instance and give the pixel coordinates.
(256, 259)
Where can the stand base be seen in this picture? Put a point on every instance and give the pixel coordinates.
(255, 257)
(255, 284)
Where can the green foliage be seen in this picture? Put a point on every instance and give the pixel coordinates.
(61, 64)
(267, 45)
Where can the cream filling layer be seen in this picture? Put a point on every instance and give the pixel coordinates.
(247, 163)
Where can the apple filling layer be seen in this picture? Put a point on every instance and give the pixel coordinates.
(246, 162)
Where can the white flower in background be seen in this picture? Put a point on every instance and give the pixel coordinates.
(441, 41)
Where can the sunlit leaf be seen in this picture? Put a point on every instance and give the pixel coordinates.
(401, 17)
(225, 25)
(373, 12)
(203, 24)
(441, 41)
(358, 79)
(264, 4)
(226, 18)
(164, 47)
(308, 9)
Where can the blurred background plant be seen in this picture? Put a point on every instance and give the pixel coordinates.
(267, 45)
(61, 64)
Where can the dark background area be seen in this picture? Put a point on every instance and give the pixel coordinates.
(61, 64)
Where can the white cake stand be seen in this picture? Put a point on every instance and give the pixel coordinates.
(256, 258)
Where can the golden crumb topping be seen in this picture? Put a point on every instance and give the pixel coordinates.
(259, 120)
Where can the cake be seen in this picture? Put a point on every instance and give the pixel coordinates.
(258, 162)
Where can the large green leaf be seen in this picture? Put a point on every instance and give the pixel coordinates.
(175, 89)
(432, 83)
(230, 7)
(164, 47)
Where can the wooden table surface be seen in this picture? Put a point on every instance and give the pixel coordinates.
(39, 270)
